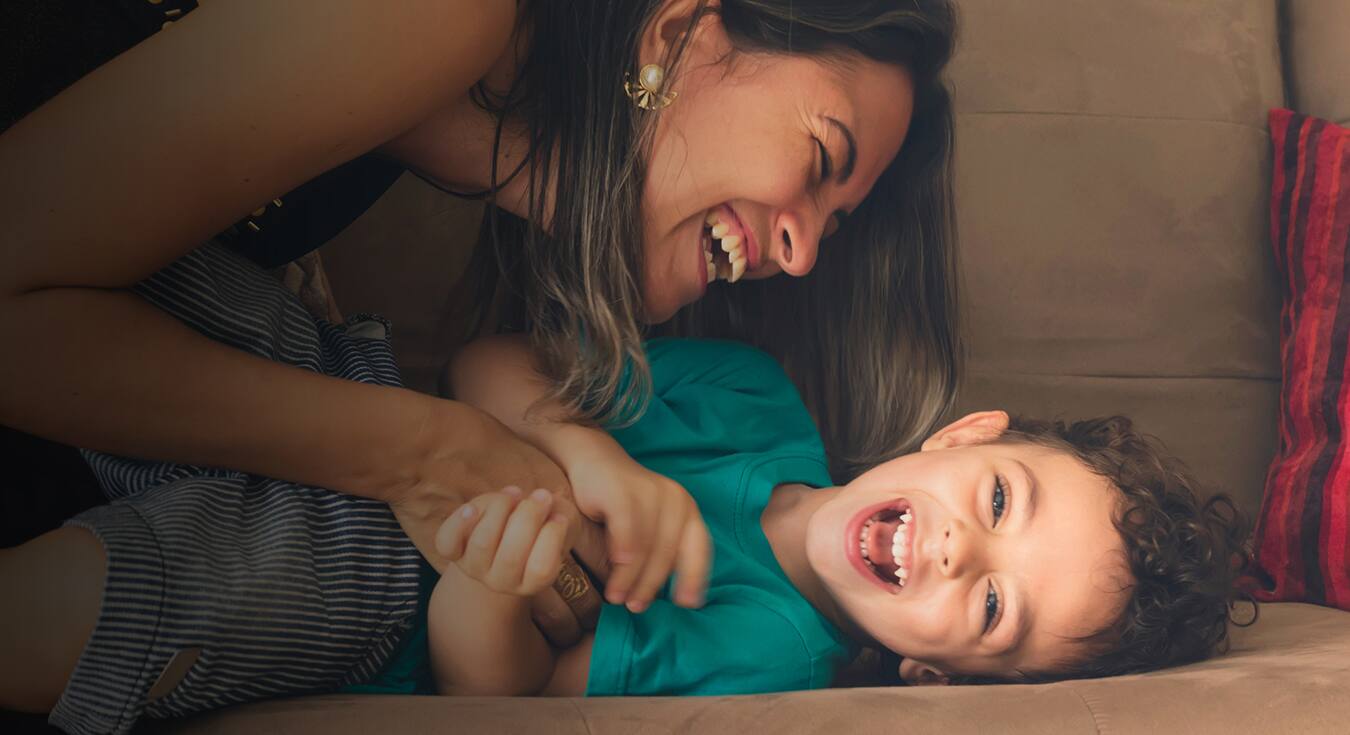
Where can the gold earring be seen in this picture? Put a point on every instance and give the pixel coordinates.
(646, 94)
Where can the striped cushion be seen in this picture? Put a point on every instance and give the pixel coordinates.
(1303, 535)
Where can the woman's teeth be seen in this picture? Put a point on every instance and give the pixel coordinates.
(733, 266)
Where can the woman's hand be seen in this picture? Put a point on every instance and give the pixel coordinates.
(464, 453)
(652, 525)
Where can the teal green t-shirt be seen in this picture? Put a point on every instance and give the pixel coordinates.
(725, 422)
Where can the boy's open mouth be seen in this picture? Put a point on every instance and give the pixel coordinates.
(886, 543)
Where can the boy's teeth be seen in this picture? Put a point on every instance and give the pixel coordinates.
(906, 517)
(712, 217)
(898, 543)
(720, 230)
(731, 244)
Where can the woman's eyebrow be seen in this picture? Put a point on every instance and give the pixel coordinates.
(851, 160)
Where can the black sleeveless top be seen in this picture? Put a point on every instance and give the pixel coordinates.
(47, 45)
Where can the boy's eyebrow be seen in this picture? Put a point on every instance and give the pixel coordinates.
(851, 160)
(1032, 491)
(1025, 613)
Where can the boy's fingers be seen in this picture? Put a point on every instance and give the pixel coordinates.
(487, 534)
(623, 523)
(451, 535)
(657, 567)
(625, 549)
(693, 564)
(546, 556)
(522, 529)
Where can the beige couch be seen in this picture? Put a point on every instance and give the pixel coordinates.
(1113, 175)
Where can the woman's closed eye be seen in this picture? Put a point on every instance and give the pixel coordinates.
(826, 165)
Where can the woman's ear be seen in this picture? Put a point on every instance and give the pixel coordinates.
(918, 673)
(981, 427)
(662, 35)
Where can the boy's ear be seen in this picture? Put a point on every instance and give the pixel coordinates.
(918, 673)
(981, 427)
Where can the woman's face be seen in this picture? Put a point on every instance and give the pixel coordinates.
(757, 160)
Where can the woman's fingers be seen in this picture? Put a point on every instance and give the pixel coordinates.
(693, 563)
(555, 618)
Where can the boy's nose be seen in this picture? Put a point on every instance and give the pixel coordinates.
(950, 551)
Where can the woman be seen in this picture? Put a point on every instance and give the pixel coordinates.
(783, 120)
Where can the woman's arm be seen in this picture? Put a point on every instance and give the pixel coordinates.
(169, 143)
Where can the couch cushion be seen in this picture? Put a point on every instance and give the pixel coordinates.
(1286, 674)
(1319, 57)
(1111, 182)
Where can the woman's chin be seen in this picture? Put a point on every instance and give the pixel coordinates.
(661, 308)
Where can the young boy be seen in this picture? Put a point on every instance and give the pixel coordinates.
(220, 587)
(1022, 552)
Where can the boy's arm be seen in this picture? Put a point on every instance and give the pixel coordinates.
(497, 374)
(504, 547)
(484, 642)
(652, 524)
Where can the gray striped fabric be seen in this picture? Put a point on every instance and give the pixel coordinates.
(283, 589)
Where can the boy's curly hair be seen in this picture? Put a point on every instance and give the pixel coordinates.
(1185, 554)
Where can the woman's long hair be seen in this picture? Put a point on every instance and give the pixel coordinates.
(870, 336)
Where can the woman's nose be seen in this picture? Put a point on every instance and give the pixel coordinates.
(796, 245)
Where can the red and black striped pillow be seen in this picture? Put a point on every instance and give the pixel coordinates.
(1303, 535)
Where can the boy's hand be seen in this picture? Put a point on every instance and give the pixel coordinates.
(511, 543)
(653, 527)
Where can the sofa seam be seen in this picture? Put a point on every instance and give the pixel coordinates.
(1260, 129)
(1092, 712)
(581, 715)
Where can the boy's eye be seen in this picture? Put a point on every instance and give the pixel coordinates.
(990, 607)
(1000, 499)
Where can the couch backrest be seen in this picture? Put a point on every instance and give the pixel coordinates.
(1317, 56)
(1112, 172)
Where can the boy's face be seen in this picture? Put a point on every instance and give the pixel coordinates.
(1008, 552)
